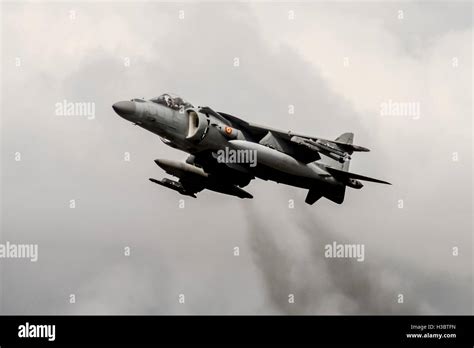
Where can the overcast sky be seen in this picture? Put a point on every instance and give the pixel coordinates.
(337, 63)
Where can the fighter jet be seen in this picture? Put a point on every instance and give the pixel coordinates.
(227, 152)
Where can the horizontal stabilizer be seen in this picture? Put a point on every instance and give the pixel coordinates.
(350, 147)
(340, 174)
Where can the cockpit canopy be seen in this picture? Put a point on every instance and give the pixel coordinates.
(172, 101)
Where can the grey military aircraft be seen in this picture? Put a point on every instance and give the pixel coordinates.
(227, 152)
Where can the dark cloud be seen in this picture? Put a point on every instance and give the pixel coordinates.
(320, 284)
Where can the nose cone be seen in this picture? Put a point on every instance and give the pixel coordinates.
(126, 109)
(163, 163)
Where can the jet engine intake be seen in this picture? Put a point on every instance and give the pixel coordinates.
(198, 125)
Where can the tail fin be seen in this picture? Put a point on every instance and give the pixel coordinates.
(346, 138)
(335, 194)
(341, 172)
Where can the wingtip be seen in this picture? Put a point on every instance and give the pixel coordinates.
(380, 182)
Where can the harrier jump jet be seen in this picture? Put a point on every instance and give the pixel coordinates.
(227, 152)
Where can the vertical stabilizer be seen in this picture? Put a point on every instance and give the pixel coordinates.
(346, 138)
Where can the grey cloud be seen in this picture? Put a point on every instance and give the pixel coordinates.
(321, 285)
(187, 250)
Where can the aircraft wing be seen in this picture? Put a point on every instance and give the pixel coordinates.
(342, 143)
